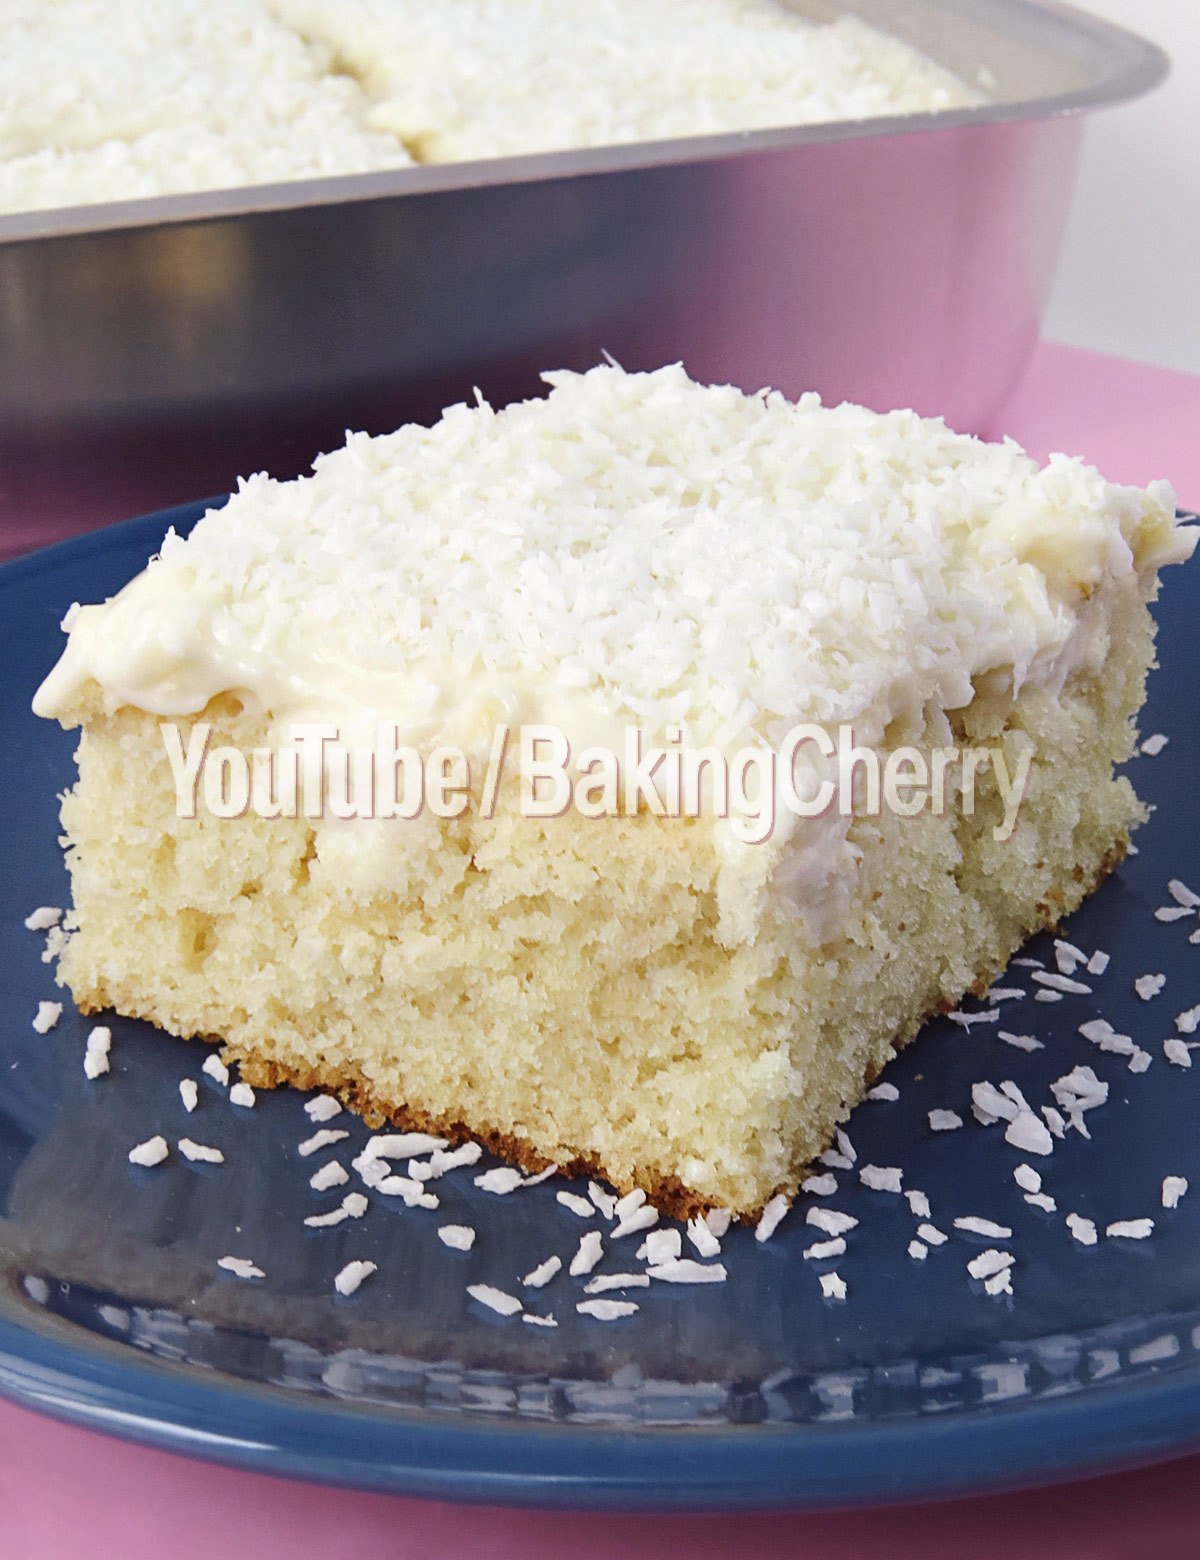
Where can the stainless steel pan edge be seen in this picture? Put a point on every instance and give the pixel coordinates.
(191, 339)
(1116, 65)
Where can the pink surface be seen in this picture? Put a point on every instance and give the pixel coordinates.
(66, 1493)
(1133, 421)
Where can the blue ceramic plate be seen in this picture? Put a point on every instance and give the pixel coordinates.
(757, 1393)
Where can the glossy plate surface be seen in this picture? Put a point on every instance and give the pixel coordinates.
(756, 1393)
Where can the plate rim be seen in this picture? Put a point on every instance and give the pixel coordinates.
(101, 1385)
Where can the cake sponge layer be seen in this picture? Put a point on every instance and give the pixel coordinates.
(560, 988)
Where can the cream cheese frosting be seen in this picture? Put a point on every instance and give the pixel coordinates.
(634, 548)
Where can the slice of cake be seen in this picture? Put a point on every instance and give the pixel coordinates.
(623, 979)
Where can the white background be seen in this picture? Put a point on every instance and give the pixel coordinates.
(1130, 276)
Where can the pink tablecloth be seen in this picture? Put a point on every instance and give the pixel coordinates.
(67, 1493)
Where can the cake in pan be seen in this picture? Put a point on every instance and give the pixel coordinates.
(677, 999)
(112, 99)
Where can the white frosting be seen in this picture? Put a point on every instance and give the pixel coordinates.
(633, 549)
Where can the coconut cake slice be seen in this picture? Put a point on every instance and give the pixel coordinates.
(676, 999)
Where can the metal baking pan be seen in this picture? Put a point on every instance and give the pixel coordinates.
(154, 349)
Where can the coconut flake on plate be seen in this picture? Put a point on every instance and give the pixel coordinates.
(606, 1310)
(771, 1216)
(240, 1267)
(1174, 1187)
(200, 1153)
(459, 1237)
(324, 1138)
(47, 1015)
(152, 1152)
(95, 1056)
(542, 1274)
(351, 1277)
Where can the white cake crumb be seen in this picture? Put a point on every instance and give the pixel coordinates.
(1084, 1230)
(591, 1249)
(328, 1176)
(1131, 1229)
(152, 1152)
(43, 918)
(881, 1178)
(325, 1137)
(822, 1249)
(989, 1262)
(95, 1056)
(944, 1121)
(971, 1224)
(47, 1015)
(459, 1237)
(189, 1093)
(606, 1310)
(1149, 986)
(1174, 1187)
(542, 1274)
(352, 1276)
(242, 1094)
(582, 1207)
(322, 1108)
(833, 1286)
(771, 1217)
(200, 1152)
(240, 1267)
